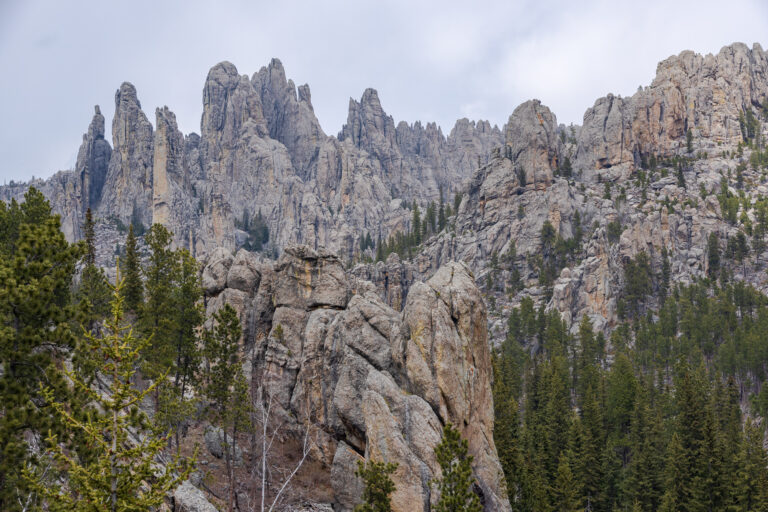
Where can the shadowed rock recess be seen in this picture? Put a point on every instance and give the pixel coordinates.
(375, 383)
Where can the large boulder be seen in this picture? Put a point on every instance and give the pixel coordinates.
(244, 274)
(188, 498)
(215, 440)
(216, 269)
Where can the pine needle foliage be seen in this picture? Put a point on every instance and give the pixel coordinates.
(455, 485)
(123, 472)
(378, 485)
(134, 289)
(36, 327)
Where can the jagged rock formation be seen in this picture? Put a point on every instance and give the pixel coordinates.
(290, 117)
(171, 185)
(127, 191)
(392, 279)
(702, 93)
(508, 200)
(532, 143)
(417, 158)
(261, 150)
(93, 160)
(373, 382)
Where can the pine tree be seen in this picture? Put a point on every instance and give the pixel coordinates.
(36, 269)
(565, 493)
(431, 218)
(751, 479)
(694, 424)
(592, 462)
(676, 490)
(587, 371)
(156, 314)
(665, 274)
(578, 230)
(176, 406)
(637, 280)
(567, 168)
(93, 292)
(134, 289)
(258, 233)
(689, 140)
(380, 249)
(725, 403)
(455, 484)
(90, 239)
(378, 485)
(121, 473)
(556, 413)
(506, 430)
(225, 385)
(645, 482)
(713, 255)
(534, 489)
(621, 390)
(187, 318)
(416, 225)
(457, 202)
(442, 216)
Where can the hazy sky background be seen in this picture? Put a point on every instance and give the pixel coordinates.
(430, 61)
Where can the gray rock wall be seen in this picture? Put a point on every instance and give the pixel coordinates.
(374, 383)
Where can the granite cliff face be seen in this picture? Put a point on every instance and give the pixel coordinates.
(261, 150)
(93, 160)
(373, 382)
(672, 206)
(705, 94)
(127, 191)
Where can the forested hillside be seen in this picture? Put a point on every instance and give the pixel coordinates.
(667, 414)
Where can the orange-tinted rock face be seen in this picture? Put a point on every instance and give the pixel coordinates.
(376, 383)
(705, 94)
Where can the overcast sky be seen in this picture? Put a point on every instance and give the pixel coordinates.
(430, 61)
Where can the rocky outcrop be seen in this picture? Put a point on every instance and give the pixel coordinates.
(93, 161)
(418, 161)
(507, 201)
(216, 440)
(188, 498)
(704, 94)
(392, 279)
(261, 152)
(531, 142)
(127, 192)
(167, 170)
(374, 383)
(290, 117)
